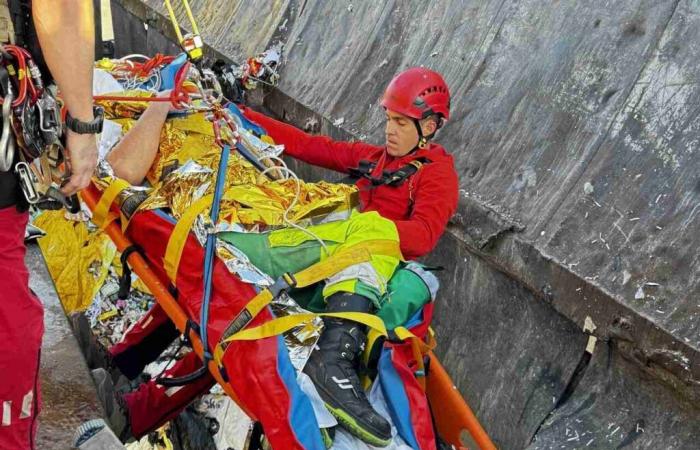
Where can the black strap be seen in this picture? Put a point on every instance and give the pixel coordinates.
(389, 177)
(125, 279)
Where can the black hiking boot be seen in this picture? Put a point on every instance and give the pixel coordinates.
(116, 411)
(333, 369)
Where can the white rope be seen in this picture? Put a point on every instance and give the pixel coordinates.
(294, 202)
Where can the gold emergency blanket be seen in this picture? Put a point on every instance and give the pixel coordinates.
(78, 259)
(185, 169)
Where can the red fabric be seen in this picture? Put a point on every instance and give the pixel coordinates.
(140, 330)
(251, 365)
(21, 329)
(152, 405)
(404, 361)
(420, 207)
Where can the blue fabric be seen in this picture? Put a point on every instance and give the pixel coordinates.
(165, 216)
(416, 319)
(247, 124)
(301, 416)
(210, 250)
(167, 73)
(396, 398)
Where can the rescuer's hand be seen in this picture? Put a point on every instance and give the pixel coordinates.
(82, 159)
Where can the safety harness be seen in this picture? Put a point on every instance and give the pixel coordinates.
(388, 177)
(31, 131)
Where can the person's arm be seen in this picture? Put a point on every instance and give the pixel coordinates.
(319, 151)
(132, 157)
(66, 32)
(436, 196)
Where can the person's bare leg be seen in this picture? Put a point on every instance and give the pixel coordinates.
(133, 155)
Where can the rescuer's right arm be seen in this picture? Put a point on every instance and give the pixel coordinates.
(319, 151)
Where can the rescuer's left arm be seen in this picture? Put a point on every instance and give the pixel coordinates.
(435, 202)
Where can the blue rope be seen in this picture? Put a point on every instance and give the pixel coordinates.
(210, 251)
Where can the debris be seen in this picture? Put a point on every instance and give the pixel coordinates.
(574, 438)
(623, 233)
(625, 277)
(639, 294)
(339, 122)
(588, 188)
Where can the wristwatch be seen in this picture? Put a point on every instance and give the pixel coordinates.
(92, 127)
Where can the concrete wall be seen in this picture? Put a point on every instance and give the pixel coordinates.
(575, 126)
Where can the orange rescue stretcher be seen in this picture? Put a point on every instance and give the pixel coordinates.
(455, 421)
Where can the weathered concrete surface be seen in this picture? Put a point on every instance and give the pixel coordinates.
(618, 406)
(67, 390)
(513, 356)
(574, 132)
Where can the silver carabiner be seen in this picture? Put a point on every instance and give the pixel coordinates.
(7, 147)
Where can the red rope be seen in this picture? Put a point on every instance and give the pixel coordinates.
(178, 94)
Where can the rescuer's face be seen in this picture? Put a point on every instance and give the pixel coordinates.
(401, 134)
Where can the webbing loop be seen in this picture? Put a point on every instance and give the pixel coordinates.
(101, 215)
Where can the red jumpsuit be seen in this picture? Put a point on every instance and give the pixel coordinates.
(420, 208)
(21, 329)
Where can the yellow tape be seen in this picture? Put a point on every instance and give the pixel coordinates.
(101, 211)
(404, 334)
(281, 325)
(178, 238)
(107, 315)
(358, 253)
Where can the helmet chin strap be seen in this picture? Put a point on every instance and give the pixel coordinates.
(422, 140)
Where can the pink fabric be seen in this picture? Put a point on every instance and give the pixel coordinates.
(21, 329)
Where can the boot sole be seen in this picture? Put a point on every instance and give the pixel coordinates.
(347, 421)
(356, 429)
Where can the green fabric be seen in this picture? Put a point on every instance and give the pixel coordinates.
(291, 250)
(406, 294)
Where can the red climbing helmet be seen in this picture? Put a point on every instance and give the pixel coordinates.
(417, 93)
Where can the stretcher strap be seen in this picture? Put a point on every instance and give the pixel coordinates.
(356, 254)
(283, 324)
(178, 238)
(419, 348)
(101, 215)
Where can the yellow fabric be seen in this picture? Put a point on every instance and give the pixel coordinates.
(78, 260)
(359, 253)
(283, 324)
(341, 235)
(101, 211)
(178, 238)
